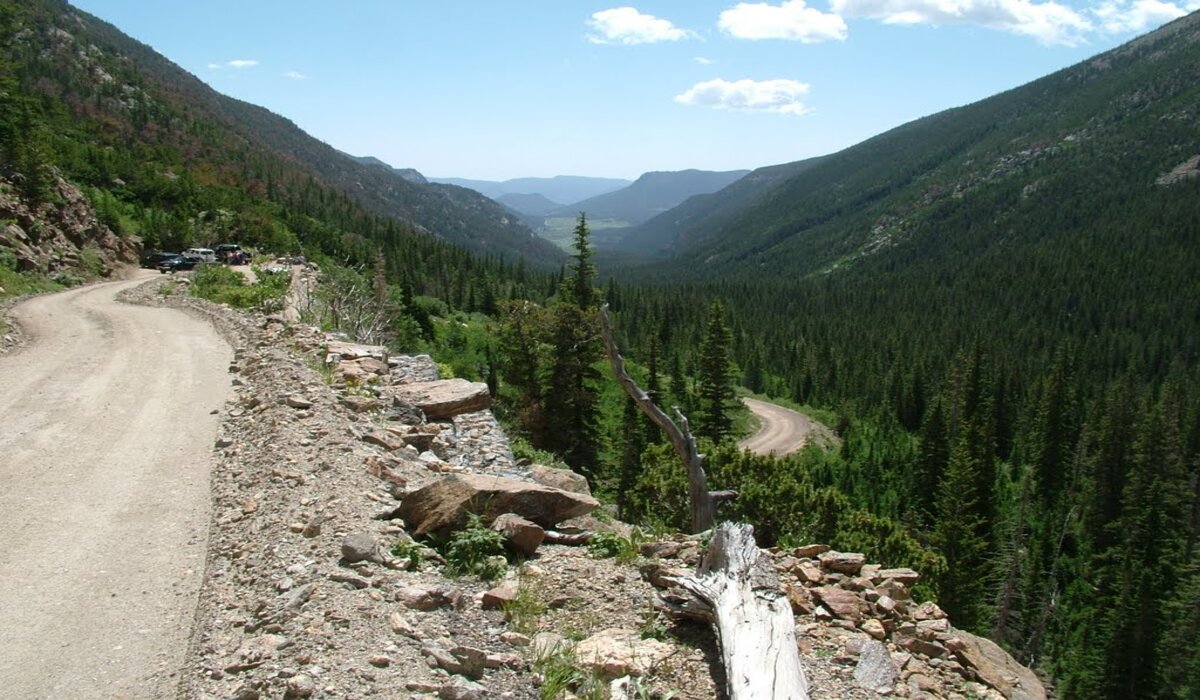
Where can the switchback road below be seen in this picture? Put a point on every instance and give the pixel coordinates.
(783, 430)
(107, 420)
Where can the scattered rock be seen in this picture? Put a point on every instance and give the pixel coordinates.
(462, 689)
(842, 603)
(297, 401)
(361, 546)
(429, 598)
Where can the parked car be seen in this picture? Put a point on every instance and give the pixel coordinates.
(179, 263)
(205, 254)
(232, 254)
(151, 261)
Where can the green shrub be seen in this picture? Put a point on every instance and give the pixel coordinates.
(609, 545)
(475, 550)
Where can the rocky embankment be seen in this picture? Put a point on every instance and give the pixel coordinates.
(61, 235)
(330, 454)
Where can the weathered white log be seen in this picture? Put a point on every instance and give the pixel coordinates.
(703, 501)
(753, 617)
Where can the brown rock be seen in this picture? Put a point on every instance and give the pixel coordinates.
(928, 611)
(564, 479)
(995, 667)
(387, 440)
(360, 404)
(297, 401)
(499, 596)
(923, 647)
(443, 505)
(906, 576)
(842, 562)
(842, 603)
(522, 535)
(874, 628)
(800, 598)
(422, 598)
(808, 572)
(445, 398)
(809, 551)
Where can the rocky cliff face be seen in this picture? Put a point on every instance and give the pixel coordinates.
(61, 235)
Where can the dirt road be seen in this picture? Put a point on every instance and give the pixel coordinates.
(783, 430)
(106, 430)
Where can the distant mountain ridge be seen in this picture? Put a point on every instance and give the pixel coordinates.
(653, 193)
(560, 189)
(225, 134)
(1103, 130)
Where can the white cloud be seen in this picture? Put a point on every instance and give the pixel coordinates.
(235, 63)
(295, 75)
(1049, 22)
(792, 20)
(704, 61)
(781, 96)
(1120, 16)
(625, 25)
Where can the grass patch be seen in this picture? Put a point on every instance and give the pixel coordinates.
(560, 230)
(524, 612)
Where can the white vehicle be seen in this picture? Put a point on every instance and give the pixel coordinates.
(205, 254)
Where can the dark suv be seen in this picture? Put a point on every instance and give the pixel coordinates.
(178, 263)
(152, 260)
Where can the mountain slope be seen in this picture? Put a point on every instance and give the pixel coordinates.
(1064, 147)
(529, 204)
(100, 73)
(653, 193)
(690, 220)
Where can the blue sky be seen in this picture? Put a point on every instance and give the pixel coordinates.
(493, 89)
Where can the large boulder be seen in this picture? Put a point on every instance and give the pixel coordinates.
(445, 398)
(994, 666)
(616, 652)
(443, 505)
(564, 479)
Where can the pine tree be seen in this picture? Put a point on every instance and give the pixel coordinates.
(959, 535)
(716, 382)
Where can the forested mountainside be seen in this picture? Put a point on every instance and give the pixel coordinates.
(1002, 303)
(653, 193)
(115, 93)
(672, 229)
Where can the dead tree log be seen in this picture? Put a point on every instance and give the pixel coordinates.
(703, 501)
(752, 616)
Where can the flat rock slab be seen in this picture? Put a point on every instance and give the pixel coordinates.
(443, 505)
(337, 349)
(445, 398)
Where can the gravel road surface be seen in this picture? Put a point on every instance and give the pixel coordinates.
(783, 430)
(107, 420)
